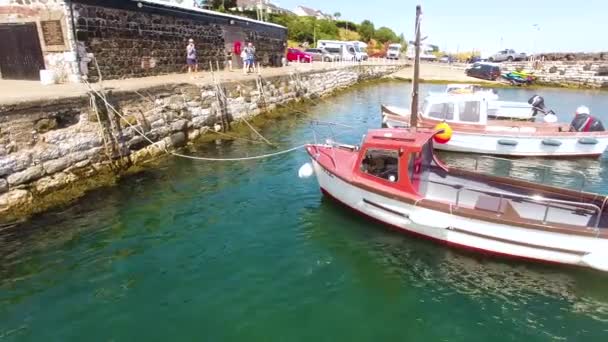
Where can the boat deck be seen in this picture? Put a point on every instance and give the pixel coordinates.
(503, 199)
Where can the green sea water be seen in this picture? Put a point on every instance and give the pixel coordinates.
(247, 251)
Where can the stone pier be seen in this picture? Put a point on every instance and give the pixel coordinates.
(576, 73)
(52, 151)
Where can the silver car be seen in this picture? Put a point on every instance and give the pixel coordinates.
(321, 54)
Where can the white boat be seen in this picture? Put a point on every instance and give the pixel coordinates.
(467, 88)
(474, 132)
(503, 110)
(395, 178)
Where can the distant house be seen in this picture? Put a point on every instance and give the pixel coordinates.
(303, 11)
(265, 5)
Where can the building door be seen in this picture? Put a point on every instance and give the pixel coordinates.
(20, 52)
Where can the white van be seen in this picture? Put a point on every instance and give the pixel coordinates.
(425, 54)
(346, 50)
(394, 51)
(361, 48)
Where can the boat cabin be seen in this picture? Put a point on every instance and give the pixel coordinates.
(462, 88)
(473, 109)
(397, 158)
(469, 109)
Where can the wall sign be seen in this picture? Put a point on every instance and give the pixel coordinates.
(52, 32)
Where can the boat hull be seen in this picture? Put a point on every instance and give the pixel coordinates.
(466, 233)
(512, 144)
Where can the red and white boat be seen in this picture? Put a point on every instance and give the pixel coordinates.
(395, 178)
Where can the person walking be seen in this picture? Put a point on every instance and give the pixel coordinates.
(191, 56)
(250, 51)
(244, 59)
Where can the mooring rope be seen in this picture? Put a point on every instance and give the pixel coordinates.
(143, 135)
(263, 156)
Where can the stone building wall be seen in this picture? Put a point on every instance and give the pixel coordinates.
(586, 74)
(51, 152)
(61, 59)
(132, 41)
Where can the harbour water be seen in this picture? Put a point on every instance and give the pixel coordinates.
(247, 251)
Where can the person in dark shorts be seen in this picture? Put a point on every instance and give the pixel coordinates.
(191, 56)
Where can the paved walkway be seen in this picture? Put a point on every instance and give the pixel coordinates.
(12, 92)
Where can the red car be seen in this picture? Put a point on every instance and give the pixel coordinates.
(295, 55)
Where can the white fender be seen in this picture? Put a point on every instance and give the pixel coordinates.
(306, 171)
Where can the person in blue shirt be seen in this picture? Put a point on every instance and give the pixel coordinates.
(191, 56)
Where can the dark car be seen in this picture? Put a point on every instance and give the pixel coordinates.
(484, 70)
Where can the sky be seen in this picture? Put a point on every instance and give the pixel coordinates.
(529, 26)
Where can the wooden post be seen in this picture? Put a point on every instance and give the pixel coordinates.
(414, 108)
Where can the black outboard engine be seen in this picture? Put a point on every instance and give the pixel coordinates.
(538, 104)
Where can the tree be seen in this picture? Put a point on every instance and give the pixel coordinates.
(326, 29)
(434, 48)
(349, 25)
(366, 30)
(337, 15)
(220, 5)
(403, 42)
(348, 35)
(385, 35)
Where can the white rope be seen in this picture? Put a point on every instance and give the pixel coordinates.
(183, 155)
(269, 155)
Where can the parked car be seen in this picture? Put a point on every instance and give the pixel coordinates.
(295, 55)
(484, 70)
(446, 59)
(508, 56)
(321, 55)
(474, 59)
(335, 52)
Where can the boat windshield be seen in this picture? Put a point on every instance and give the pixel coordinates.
(381, 163)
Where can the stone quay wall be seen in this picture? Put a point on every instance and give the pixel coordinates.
(584, 74)
(61, 59)
(54, 151)
(131, 41)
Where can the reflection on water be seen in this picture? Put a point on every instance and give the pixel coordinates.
(585, 174)
(238, 251)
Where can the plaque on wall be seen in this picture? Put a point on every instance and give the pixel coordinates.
(52, 32)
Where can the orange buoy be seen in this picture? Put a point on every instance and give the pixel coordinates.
(445, 135)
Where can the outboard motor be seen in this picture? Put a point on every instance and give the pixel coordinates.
(538, 104)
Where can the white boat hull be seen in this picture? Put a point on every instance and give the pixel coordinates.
(515, 145)
(526, 146)
(466, 233)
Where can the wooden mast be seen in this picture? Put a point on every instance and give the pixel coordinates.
(415, 81)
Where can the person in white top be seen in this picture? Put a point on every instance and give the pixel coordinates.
(191, 56)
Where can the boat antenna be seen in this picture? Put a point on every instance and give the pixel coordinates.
(415, 81)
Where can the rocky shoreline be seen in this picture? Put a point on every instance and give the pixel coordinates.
(54, 151)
